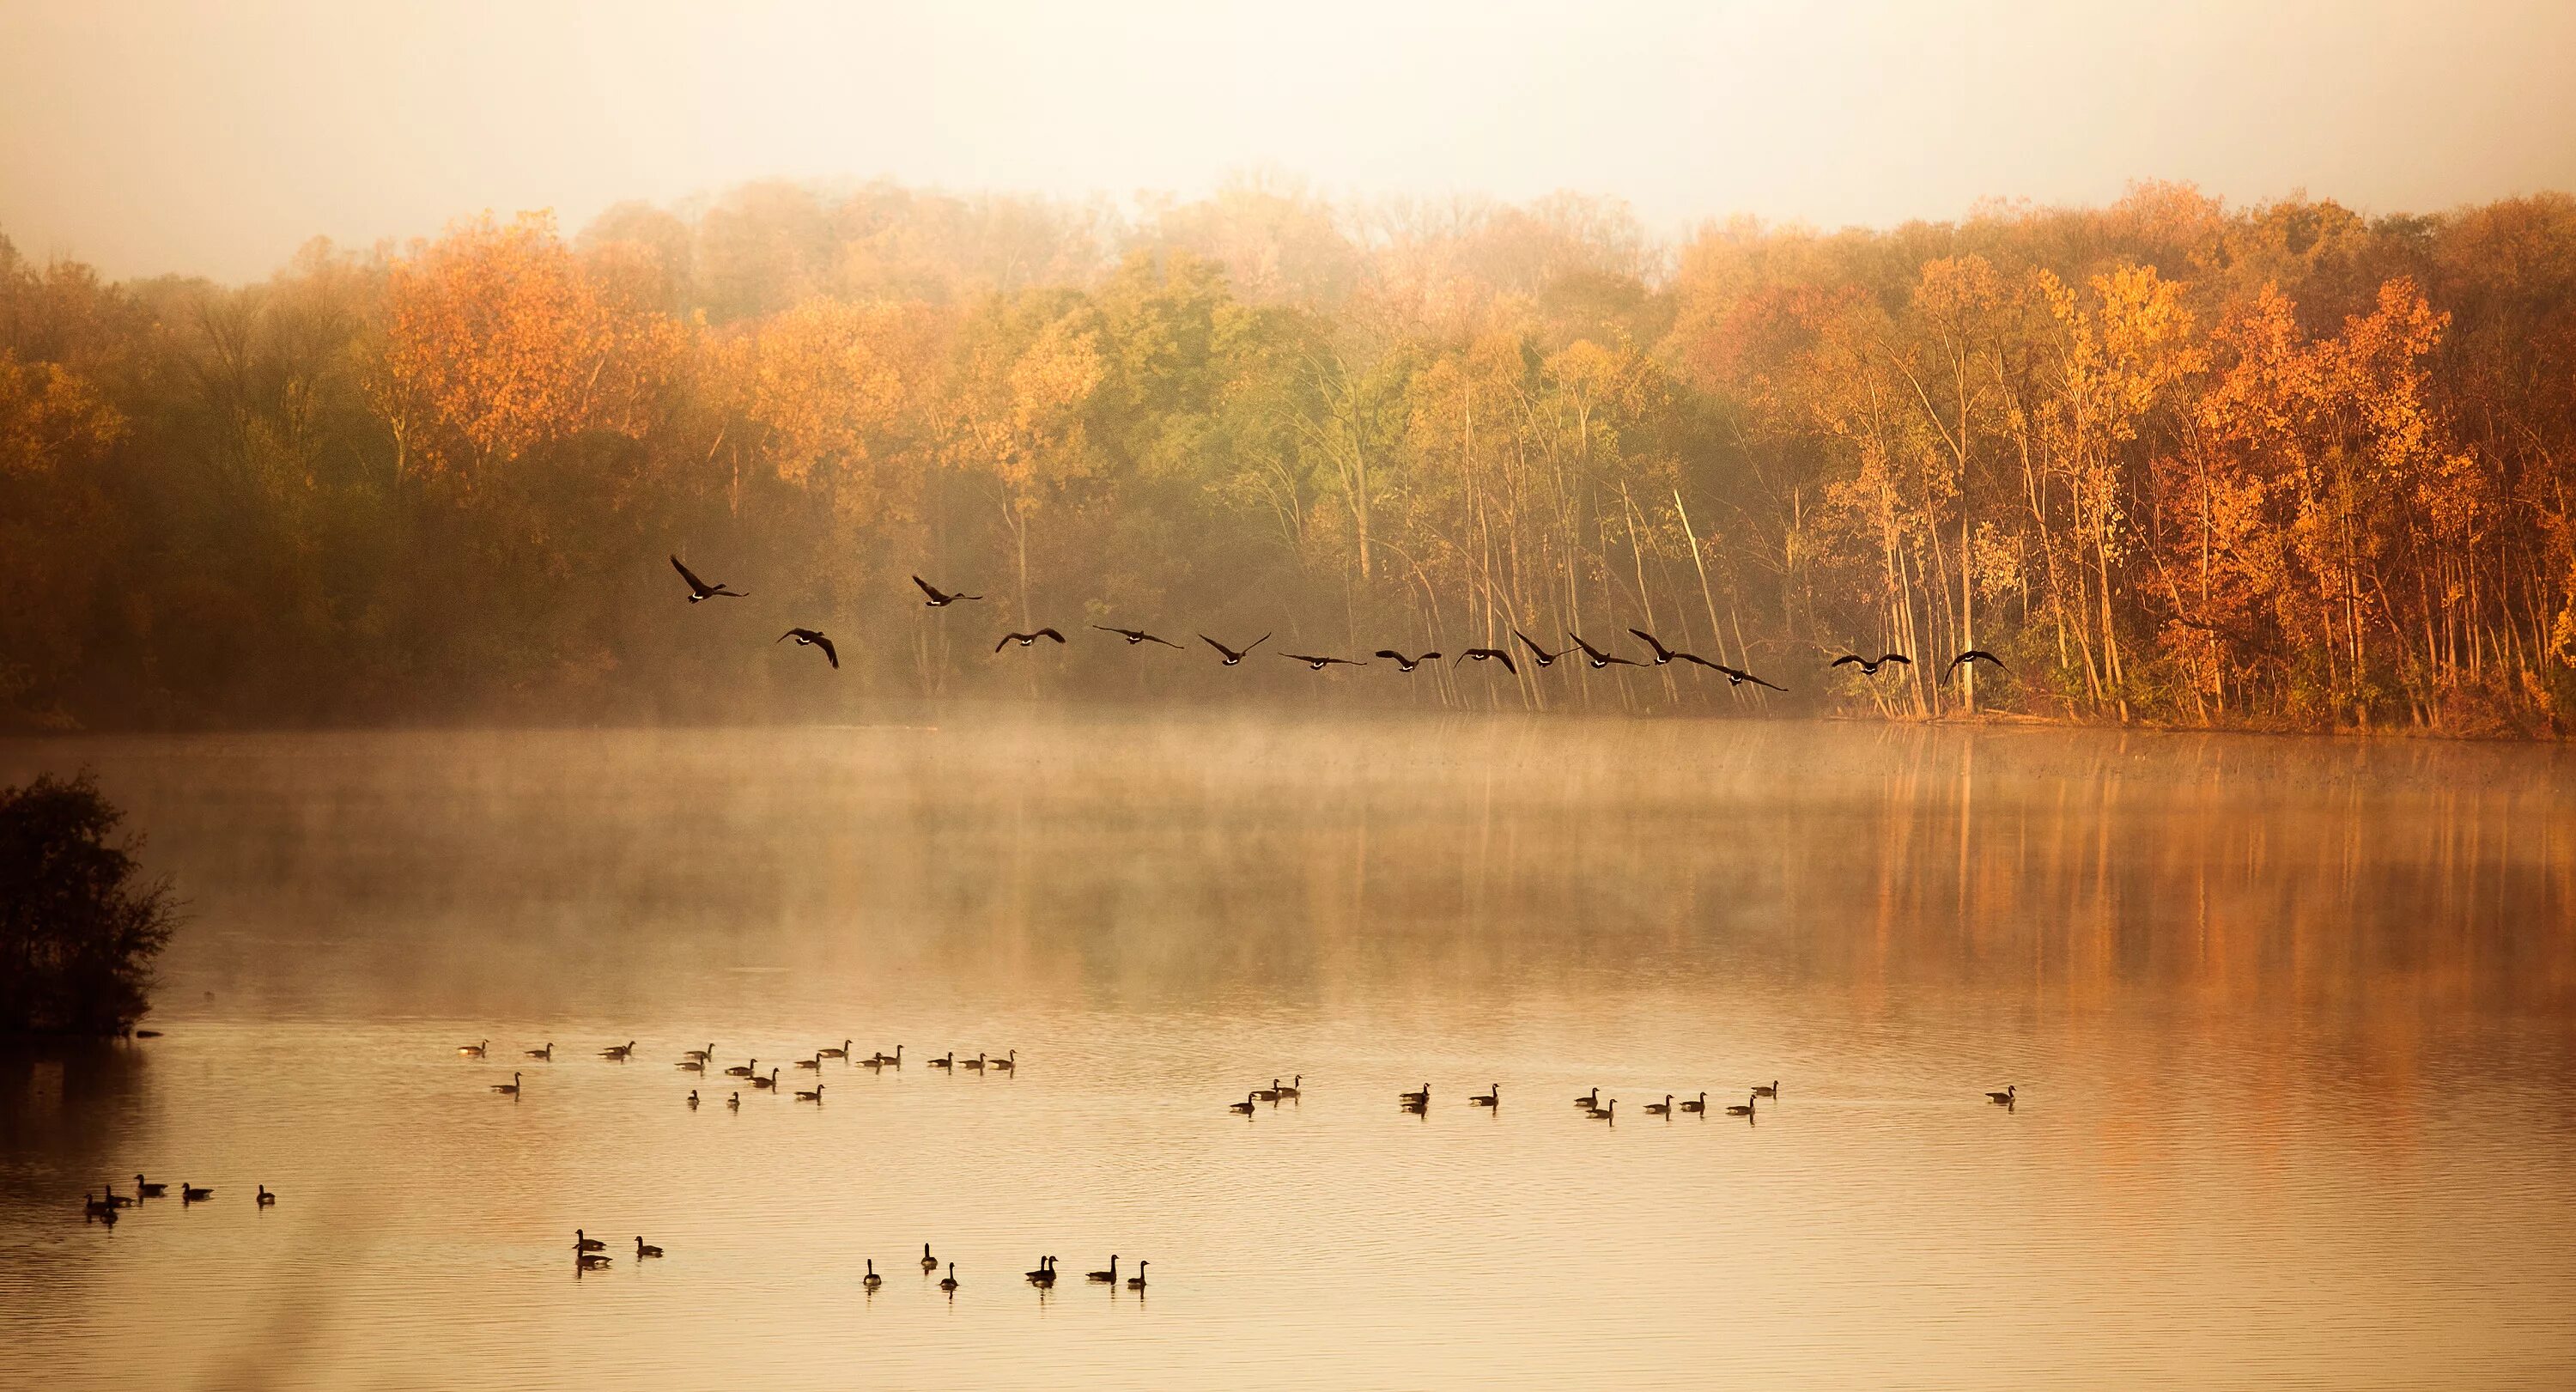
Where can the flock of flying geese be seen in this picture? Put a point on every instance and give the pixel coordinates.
(1536, 652)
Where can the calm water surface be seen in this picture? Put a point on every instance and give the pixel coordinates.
(2294, 1024)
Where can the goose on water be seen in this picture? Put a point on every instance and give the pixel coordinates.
(590, 1261)
(872, 1280)
(1493, 1098)
(1699, 1106)
(149, 1191)
(743, 1070)
(1109, 1276)
(1771, 1091)
(508, 1089)
(734, 1102)
(1415, 1099)
(1244, 1106)
(814, 1062)
(265, 1198)
(839, 1053)
(976, 1063)
(1663, 1108)
(1745, 1110)
(1291, 1089)
(693, 1099)
(948, 1283)
(1609, 1113)
(2006, 1097)
(700, 1055)
(928, 1262)
(584, 1242)
(769, 1082)
(1137, 1281)
(949, 1062)
(1268, 1094)
(473, 1050)
(619, 1052)
(1590, 1100)
(645, 1249)
(544, 1055)
(815, 1096)
(1007, 1065)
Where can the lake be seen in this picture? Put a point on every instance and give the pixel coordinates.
(2292, 1024)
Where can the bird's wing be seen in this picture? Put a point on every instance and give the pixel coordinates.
(1049, 633)
(1390, 652)
(729, 594)
(1220, 647)
(694, 582)
(1651, 641)
(1506, 659)
(832, 656)
(1428, 657)
(1757, 681)
(1898, 657)
(927, 588)
(1004, 641)
(1849, 660)
(1129, 634)
(1694, 657)
(1166, 642)
(1257, 642)
(1298, 657)
(781, 638)
(1588, 649)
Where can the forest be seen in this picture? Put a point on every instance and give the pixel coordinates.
(2176, 462)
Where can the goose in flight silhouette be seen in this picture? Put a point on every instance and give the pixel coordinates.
(700, 589)
(1869, 668)
(1137, 635)
(1492, 655)
(1317, 664)
(811, 638)
(939, 598)
(1971, 657)
(1737, 676)
(1538, 654)
(1664, 654)
(1027, 639)
(1230, 655)
(1598, 658)
(1403, 663)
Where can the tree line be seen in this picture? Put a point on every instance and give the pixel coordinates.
(2278, 466)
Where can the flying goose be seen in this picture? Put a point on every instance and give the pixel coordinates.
(1317, 664)
(1972, 657)
(937, 599)
(811, 638)
(1869, 667)
(1540, 655)
(1403, 663)
(1137, 635)
(1230, 655)
(1598, 658)
(700, 589)
(1491, 655)
(1665, 655)
(1027, 639)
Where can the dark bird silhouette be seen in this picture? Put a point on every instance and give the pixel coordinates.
(1403, 663)
(1136, 635)
(939, 598)
(1317, 664)
(811, 638)
(1664, 654)
(1737, 676)
(1492, 655)
(700, 589)
(1230, 655)
(1538, 654)
(1972, 656)
(1598, 658)
(1867, 667)
(1027, 639)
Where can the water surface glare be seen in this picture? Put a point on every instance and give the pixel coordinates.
(2293, 1022)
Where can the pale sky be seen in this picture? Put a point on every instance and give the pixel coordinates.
(215, 138)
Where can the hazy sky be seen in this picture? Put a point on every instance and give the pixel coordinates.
(215, 138)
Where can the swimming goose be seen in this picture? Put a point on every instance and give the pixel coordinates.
(928, 1262)
(1699, 1106)
(2006, 1097)
(734, 1102)
(584, 1242)
(508, 1089)
(1415, 1099)
(1111, 1275)
(743, 1070)
(814, 1062)
(1244, 1106)
(1489, 1099)
(544, 1055)
(693, 1099)
(1744, 1111)
(1591, 1100)
(148, 1191)
(1137, 1281)
(1291, 1089)
(472, 1050)
(265, 1198)
(618, 1052)
(692, 1066)
(949, 1062)
(1663, 1108)
(839, 1053)
(1268, 1094)
(948, 1282)
(113, 1199)
(1609, 1114)
(815, 1096)
(769, 1082)
(976, 1063)
(1007, 1065)
(700, 1055)
(93, 1206)
(590, 1261)
(645, 1249)
(872, 1280)
(1045, 1274)
(882, 1060)
(1771, 1091)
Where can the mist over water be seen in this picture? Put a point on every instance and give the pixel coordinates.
(2291, 1020)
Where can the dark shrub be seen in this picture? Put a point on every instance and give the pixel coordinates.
(78, 926)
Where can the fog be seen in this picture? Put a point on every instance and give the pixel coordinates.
(195, 137)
